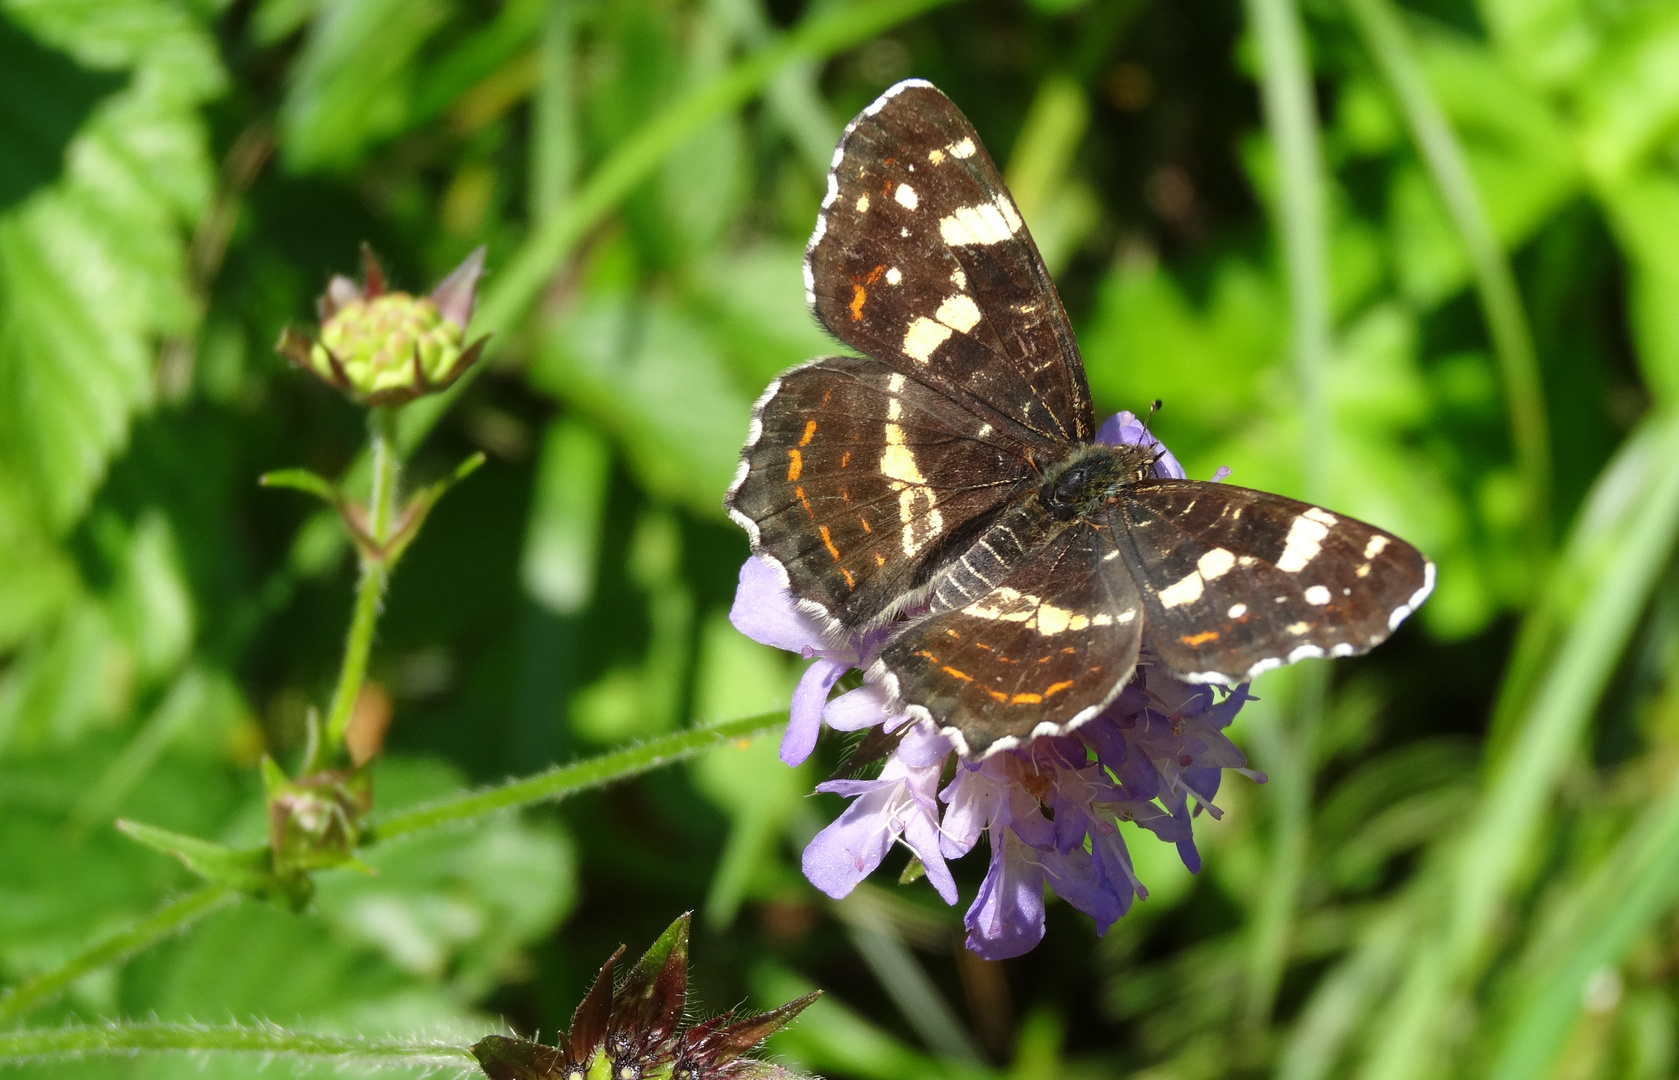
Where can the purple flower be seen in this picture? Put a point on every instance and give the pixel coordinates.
(1049, 809)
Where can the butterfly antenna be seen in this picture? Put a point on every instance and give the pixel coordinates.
(1152, 409)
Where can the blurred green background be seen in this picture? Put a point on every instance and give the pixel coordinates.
(1375, 263)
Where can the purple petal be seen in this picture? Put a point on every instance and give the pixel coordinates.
(1124, 429)
(765, 612)
(1007, 917)
(456, 294)
(855, 710)
(804, 718)
(850, 849)
(923, 748)
(921, 833)
(1076, 879)
(974, 796)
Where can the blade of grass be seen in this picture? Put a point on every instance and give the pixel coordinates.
(565, 780)
(1291, 119)
(171, 918)
(79, 1041)
(1389, 42)
(1619, 573)
(516, 286)
(1636, 886)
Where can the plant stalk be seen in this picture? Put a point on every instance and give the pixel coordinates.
(170, 919)
(370, 593)
(565, 780)
(67, 1043)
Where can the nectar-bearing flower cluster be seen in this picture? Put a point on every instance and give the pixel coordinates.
(1048, 809)
(387, 347)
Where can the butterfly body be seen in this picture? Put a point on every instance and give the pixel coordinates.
(946, 494)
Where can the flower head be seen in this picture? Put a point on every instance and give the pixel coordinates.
(637, 1030)
(385, 347)
(1050, 809)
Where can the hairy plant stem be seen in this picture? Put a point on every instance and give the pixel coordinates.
(65, 1043)
(550, 785)
(370, 593)
(565, 780)
(168, 920)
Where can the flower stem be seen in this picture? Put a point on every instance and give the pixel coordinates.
(370, 593)
(58, 1044)
(564, 780)
(172, 918)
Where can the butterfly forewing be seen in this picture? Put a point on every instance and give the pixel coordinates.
(921, 260)
(1043, 649)
(1236, 581)
(857, 476)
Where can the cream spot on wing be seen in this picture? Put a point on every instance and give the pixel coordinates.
(1215, 564)
(983, 224)
(894, 276)
(895, 383)
(1187, 590)
(936, 157)
(1125, 616)
(1321, 516)
(959, 278)
(1375, 546)
(923, 338)
(1363, 570)
(1237, 611)
(1010, 214)
(863, 203)
(1004, 604)
(906, 197)
(1305, 539)
(1298, 628)
(959, 312)
(963, 149)
(897, 461)
(1317, 595)
(1246, 560)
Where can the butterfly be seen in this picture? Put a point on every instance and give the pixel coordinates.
(944, 491)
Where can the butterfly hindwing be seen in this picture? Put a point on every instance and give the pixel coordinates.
(856, 475)
(1236, 581)
(921, 260)
(1042, 649)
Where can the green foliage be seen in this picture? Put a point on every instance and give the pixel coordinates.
(1464, 861)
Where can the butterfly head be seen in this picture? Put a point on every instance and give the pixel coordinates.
(1091, 476)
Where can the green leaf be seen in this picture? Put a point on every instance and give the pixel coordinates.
(93, 268)
(44, 98)
(305, 481)
(245, 869)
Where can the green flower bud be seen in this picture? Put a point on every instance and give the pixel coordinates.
(385, 348)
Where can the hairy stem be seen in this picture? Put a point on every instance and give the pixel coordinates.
(58, 1044)
(565, 780)
(370, 593)
(170, 919)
